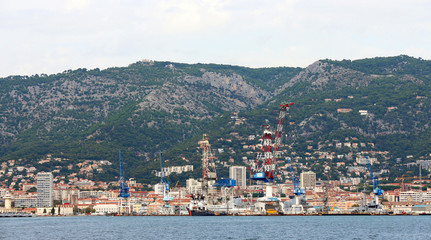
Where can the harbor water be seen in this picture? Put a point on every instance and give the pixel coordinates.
(221, 227)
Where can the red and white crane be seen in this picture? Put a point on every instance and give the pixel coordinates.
(263, 168)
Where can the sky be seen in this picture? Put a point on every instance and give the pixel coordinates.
(51, 36)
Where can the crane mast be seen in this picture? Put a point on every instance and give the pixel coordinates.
(207, 161)
(265, 164)
(124, 187)
(376, 190)
(269, 163)
(124, 201)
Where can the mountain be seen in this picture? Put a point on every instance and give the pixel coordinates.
(144, 108)
(394, 91)
(151, 106)
(380, 106)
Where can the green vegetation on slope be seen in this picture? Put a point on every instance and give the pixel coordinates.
(90, 114)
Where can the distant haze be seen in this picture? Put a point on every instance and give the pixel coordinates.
(53, 36)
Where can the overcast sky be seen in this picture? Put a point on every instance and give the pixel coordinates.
(50, 36)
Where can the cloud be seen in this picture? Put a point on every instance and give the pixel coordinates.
(52, 36)
(73, 5)
(184, 17)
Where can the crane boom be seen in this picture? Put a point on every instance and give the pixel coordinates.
(369, 168)
(280, 124)
(265, 164)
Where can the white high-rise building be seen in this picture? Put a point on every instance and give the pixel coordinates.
(193, 186)
(308, 180)
(239, 173)
(45, 189)
(158, 188)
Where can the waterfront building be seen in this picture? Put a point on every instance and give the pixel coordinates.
(421, 209)
(402, 208)
(238, 173)
(415, 196)
(106, 208)
(60, 210)
(139, 208)
(308, 180)
(26, 201)
(153, 208)
(44, 189)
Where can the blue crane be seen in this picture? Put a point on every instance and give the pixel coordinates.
(165, 182)
(124, 188)
(376, 190)
(296, 189)
(297, 207)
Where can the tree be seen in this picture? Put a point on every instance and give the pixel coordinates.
(87, 210)
(76, 211)
(52, 211)
(33, 189)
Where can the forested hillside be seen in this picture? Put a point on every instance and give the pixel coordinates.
(143, 109)
(381, 104)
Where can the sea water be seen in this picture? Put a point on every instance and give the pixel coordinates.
(218, 227)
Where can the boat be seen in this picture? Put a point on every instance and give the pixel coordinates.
(201, 213)
(16, 214)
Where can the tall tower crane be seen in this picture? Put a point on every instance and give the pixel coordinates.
(376, 190)
(207, 161)
(199, 203)
(264, 167)
(124, 200)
